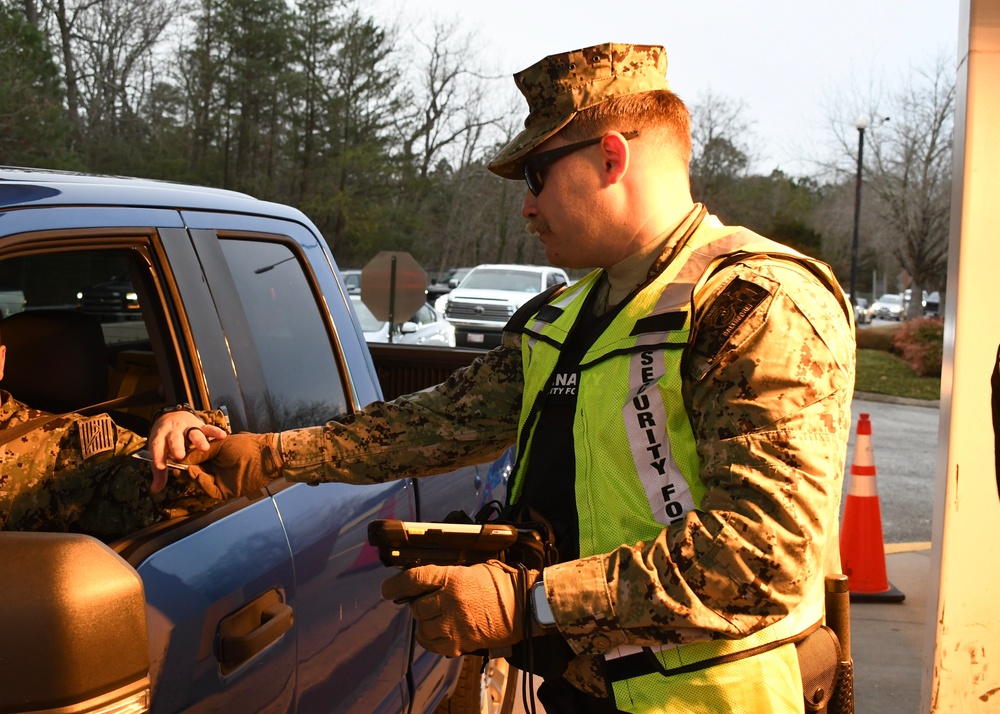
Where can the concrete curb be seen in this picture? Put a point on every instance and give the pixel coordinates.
(906, 401)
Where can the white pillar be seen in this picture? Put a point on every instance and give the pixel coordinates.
(962, 647)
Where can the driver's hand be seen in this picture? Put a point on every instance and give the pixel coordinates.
(173, 436)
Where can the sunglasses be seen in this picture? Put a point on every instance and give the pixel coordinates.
(535, 163)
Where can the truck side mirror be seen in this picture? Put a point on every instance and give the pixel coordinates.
(75, 634)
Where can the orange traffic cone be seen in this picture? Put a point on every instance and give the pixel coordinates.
(862, 552)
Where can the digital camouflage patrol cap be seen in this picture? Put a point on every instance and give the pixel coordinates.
(561, 85)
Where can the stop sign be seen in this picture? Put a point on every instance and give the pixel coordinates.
(393, 286)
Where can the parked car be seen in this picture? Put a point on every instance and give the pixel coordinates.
(489, 295)
(455, 276)
(352, 281)
(115, 299)
(889, 307)
(445, 284)
(265, 603)
(426, 327)
(862, 311)
(11, 301)
(932, 304)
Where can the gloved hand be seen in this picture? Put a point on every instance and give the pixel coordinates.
(237, 465)
(464, 608)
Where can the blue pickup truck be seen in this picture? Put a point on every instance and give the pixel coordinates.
(263, 604)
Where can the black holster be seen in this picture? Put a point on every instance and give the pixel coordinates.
(819, 662)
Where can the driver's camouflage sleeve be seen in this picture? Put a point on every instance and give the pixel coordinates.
(76, 473)
(468, 419)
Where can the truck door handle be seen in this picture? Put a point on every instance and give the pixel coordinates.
(252, 628)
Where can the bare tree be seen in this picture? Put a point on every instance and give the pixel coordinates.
(65, 20)
(911, 175)
(198, 66)
(720, 151)
(447, 116)
(456, 114)
(358, 107)
(107, 54)
(117, 40)
(907, 173)
(317, 55)
(31, 13)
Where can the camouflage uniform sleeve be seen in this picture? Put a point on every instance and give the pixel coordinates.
(769, 401)
(215, 417)
(76, 473)
(72, 474)
(468, 419)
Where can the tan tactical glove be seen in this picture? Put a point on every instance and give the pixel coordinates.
(240, 464)
(464, 608)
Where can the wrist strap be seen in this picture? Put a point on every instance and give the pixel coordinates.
(176, 408)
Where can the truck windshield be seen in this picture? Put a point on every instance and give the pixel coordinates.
(495, 279)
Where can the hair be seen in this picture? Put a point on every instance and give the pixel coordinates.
(659, 109)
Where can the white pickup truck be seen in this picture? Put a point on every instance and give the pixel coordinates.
(487, 297)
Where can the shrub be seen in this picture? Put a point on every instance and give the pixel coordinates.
(877, 338)
(920, 343)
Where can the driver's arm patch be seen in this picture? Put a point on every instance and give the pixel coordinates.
(97, 435)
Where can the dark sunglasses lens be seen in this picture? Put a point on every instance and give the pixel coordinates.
(534, 164)
(533, 177)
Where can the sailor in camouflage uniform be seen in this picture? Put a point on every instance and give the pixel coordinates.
(75, 473)
(681, 416)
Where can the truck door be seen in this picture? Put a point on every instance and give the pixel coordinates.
(199, 570)
(299, 361)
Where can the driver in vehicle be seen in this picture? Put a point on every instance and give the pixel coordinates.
(72, 472)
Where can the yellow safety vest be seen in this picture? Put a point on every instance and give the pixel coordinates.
(630, 394)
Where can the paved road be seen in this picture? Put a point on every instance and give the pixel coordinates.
(904, 446)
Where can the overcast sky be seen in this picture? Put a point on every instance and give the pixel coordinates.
(788, 60)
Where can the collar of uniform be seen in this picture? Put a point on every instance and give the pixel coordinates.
(8, 405)
(13, 412)
(624, 277)
(675, 238)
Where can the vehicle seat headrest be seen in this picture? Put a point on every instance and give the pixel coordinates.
(56, 359)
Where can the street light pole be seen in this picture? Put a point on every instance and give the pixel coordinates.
(861, 123)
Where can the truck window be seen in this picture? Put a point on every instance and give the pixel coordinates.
(97, 282)
(304, 385)
(107, 285)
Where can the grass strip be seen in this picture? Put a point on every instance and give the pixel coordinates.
(882, 373)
